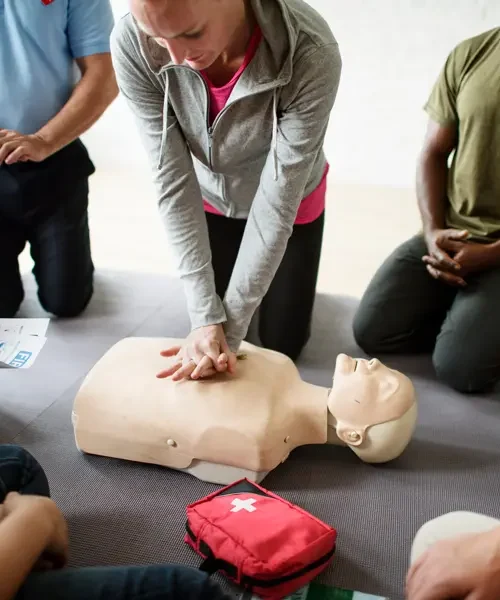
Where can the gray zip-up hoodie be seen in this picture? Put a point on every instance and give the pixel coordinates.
(260, 158)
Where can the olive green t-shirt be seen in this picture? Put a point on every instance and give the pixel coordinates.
(467, 95)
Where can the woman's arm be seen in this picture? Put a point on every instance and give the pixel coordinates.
(300, 137)
(28, 527)
(179, 196)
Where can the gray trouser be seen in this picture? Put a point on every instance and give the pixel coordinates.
(404, 310)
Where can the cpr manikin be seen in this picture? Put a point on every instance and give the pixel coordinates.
(243, 425)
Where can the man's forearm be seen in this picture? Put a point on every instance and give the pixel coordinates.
(90, 98)
(23, 538)
(432, 181)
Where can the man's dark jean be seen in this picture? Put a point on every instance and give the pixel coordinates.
(405, 311)
(20, 472)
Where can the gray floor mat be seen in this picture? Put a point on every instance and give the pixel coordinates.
(123, 513)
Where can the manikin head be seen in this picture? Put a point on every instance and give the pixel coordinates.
(195, 32)
(371, 408)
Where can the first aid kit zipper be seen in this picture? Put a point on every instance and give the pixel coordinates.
(211, 565)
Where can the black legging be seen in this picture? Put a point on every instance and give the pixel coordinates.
(286, 310)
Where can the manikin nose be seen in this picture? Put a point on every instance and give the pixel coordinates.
(362, 366)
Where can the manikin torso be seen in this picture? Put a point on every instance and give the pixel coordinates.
(243, 425)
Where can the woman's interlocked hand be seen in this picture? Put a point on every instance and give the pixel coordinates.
(204, 353)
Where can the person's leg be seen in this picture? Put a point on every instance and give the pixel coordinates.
(448, 526)
(20, 472)
(403, 307)
(60, 247)
(467, 352)
(12, 242)
(157, 582)
(286, 310)
(225, 237)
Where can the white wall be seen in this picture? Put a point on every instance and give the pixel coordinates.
(392, 51)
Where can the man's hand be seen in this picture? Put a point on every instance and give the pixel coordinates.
(474, 258)
(56, 551)
(451, 257)
(204, 353)
(15, 147)
(465, 568)
(443, 245)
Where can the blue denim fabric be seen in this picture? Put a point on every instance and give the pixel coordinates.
(156, 582)
(20, 472)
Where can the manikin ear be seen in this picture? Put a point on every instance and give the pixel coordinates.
(352, 436)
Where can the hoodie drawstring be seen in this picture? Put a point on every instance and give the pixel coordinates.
(163, 143)
(274, 145)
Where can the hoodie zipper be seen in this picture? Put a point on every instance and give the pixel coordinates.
(210, 142)
(210, 128)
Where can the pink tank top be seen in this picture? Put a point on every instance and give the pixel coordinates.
(313, 205)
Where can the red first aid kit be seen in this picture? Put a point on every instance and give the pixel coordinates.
(259, 540)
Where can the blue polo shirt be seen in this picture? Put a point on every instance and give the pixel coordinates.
(39, 42)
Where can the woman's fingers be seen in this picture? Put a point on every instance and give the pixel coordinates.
(170, 371)
(231, 357)
(214, 353)
(171, 351)
(199, 358)
(196, 352)
(208, 373)
(185, 371)
(204, 365)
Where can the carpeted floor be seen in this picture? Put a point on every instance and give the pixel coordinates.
(127, 513)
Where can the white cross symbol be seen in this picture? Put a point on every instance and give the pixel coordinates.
(243, 505)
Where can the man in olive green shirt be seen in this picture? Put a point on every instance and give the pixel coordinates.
(440, 291)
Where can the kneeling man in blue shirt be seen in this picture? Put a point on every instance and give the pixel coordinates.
(56, 80)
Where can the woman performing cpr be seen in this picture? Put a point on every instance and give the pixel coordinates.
(232, 99)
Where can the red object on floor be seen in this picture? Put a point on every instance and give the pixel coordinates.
(259, 540)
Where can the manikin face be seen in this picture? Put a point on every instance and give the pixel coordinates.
(195, 32)
(366, 393)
